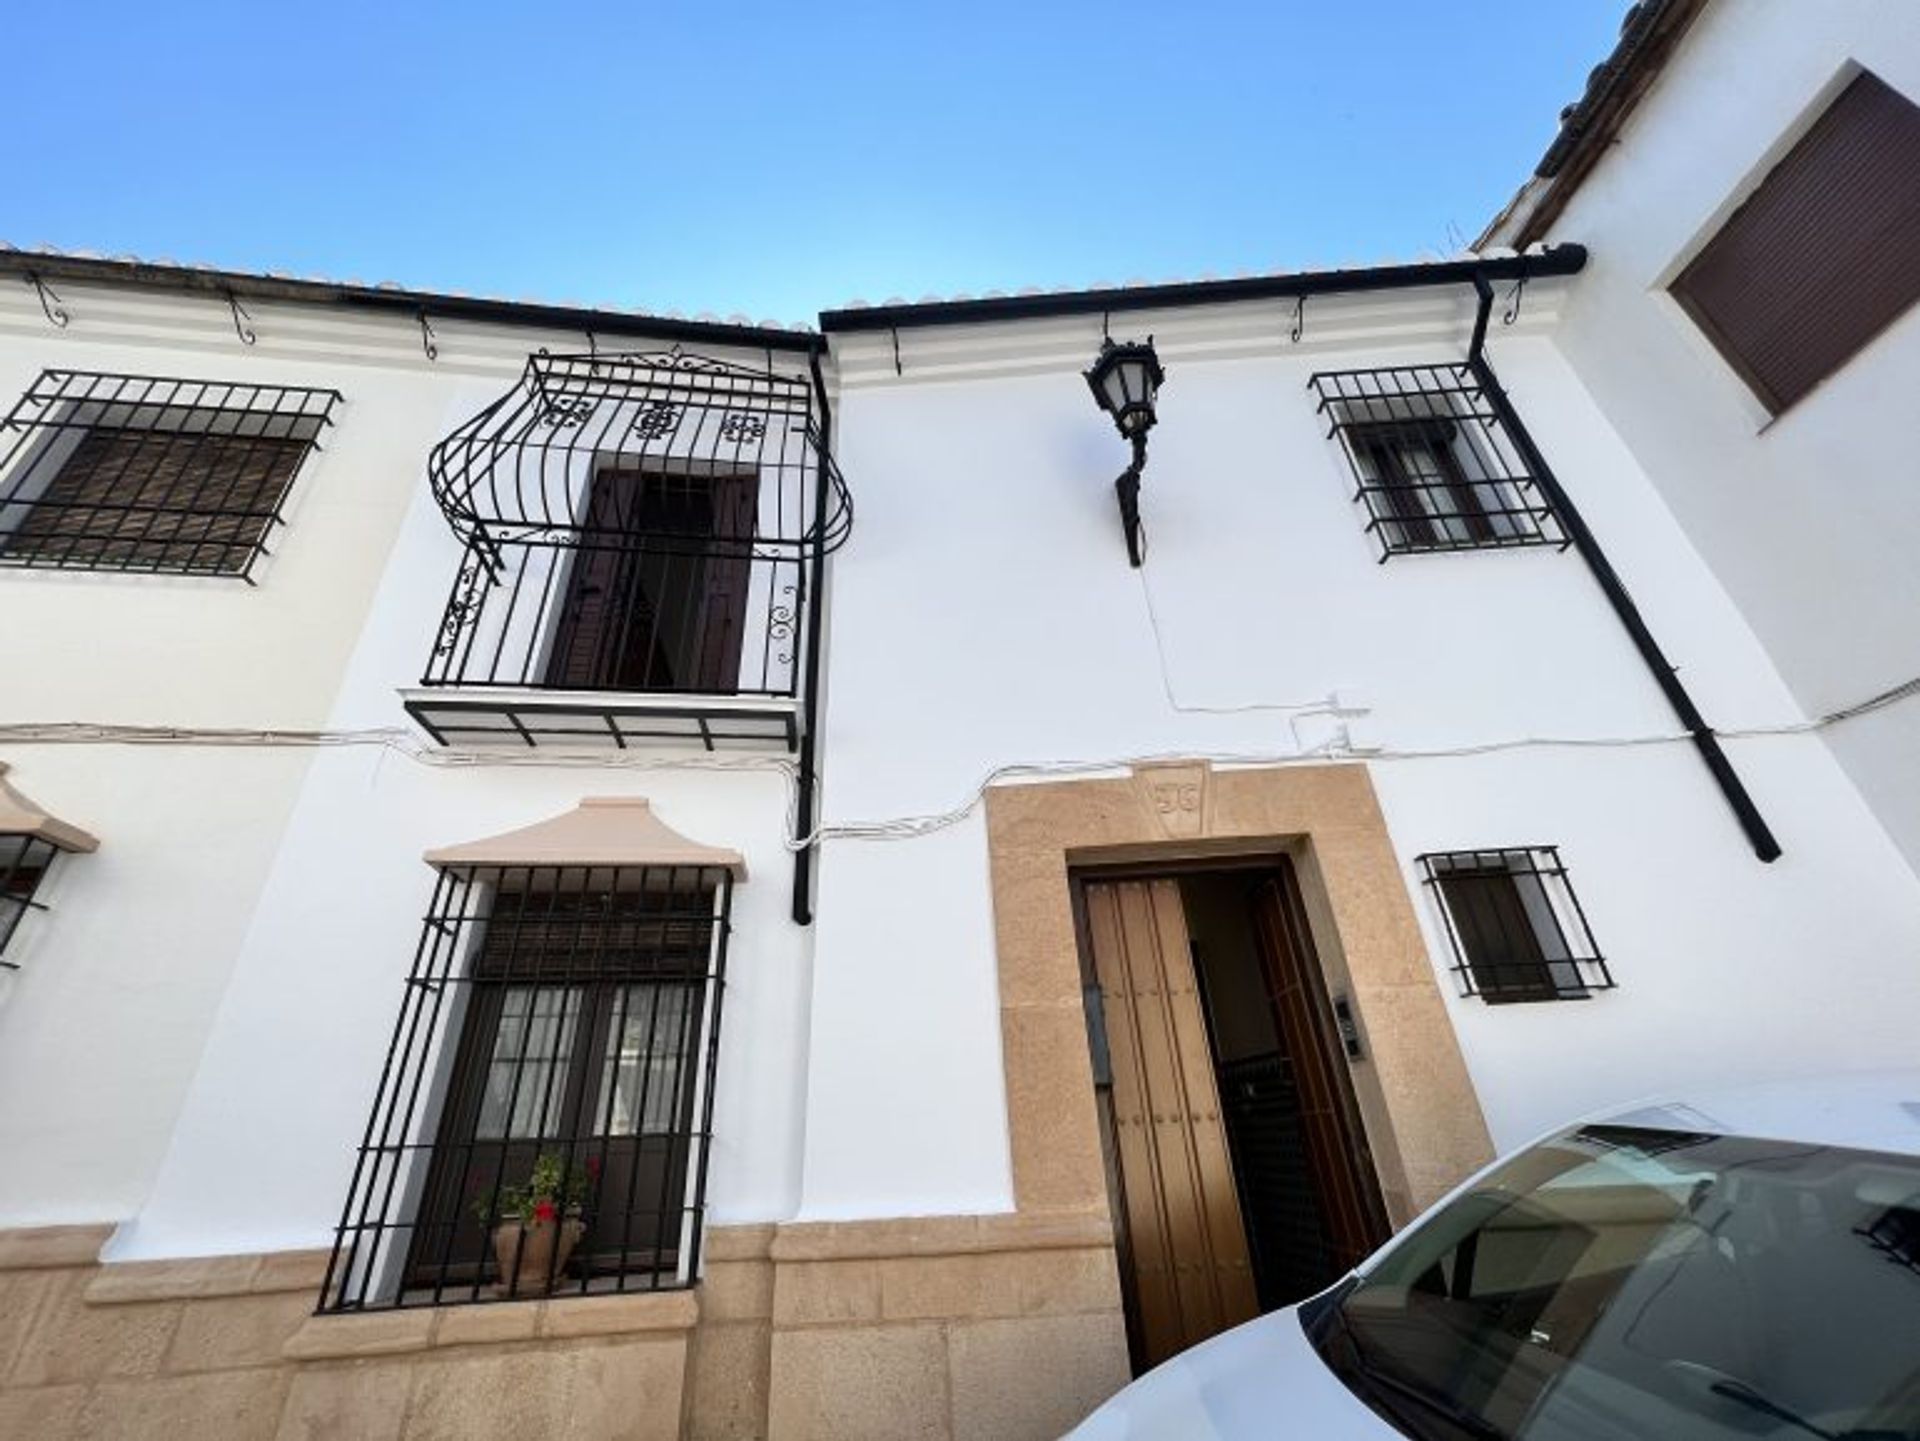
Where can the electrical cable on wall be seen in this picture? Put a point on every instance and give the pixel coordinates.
(403, 742)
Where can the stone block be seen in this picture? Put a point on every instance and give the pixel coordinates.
(487, 1325)
(27, 1248)
(1054, 1133)
(1065, 1282)
(22, 1294)
(866, 1383)
(624, 1392)
(739, 1243)
(72, 1341)
(1032, 1378)
(225, 1332)
(42, 1413)
(291, 1271)
(352, 1401)
(612, 1315)
(631, 1391)
(737, 1291)
(375, 1333)
(171, 1280)
(220, 1406)
(813, 1292)
(728, 1376)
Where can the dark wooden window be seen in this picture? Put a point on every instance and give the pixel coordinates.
(1423, 488)
(1517, 930)
(657, 594)
(1824, 255)
(142, 473)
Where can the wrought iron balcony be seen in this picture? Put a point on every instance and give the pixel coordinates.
(642, 536)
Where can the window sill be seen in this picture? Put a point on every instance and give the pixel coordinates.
(389, 1333)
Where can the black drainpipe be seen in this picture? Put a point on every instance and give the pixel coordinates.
(810, 694)
(1664, 675)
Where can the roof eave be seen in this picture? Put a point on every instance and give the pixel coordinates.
(1588, 128)
(1553, 260)
(436, 305)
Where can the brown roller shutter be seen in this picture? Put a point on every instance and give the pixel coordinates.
(1824, 255)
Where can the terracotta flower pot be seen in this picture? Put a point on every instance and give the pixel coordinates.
(531, 1266)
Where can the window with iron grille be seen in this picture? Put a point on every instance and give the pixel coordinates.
(564, 1018)
(23, 865)
(1430, 461)
(139, 473)
(637, 526)
(1517, 930)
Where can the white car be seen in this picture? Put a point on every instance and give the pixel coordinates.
(1738, 1265)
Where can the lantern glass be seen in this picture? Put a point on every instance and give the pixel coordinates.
(1126, 379)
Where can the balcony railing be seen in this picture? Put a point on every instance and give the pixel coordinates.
(642, 532)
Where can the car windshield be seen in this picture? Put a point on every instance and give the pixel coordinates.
(1620, 1282)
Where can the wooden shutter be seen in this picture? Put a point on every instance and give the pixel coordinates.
(1824, 255)
(160, 500)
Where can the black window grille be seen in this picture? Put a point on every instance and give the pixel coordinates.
(24, 860)
(635, 524)
(556, 1040)
(160, 476)
(1431, 462)
(1517, 930)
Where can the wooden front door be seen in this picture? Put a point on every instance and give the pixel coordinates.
(1184, 1249)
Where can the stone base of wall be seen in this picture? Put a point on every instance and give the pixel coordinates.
(967, 1328)
(1005, 1327)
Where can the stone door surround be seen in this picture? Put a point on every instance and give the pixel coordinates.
(1422, 1119)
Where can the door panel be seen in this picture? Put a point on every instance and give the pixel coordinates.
(1190, 1271)
(1349, 1198)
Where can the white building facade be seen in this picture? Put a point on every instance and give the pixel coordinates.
(1024, 962)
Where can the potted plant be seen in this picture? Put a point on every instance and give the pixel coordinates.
(537, 1225)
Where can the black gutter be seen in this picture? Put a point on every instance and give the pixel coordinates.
(1704, 740)
(411, 304)
(810, 693)
(1555, 260)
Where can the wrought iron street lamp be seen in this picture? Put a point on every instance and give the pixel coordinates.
(1126, 380)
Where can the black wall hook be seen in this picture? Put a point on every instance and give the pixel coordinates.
(1299, 318)
(1512, 312)
(55, 311)
(427, 342)
(245, 332)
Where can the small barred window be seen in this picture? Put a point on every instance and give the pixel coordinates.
(1517, 930)
(136, 473)
(1430, 461)
(23, 865)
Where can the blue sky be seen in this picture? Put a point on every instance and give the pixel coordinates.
(775, 160)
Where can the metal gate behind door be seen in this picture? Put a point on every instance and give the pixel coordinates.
(1180, 1223)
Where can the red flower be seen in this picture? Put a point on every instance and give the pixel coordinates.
(544, 1211)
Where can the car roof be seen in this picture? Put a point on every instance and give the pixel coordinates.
(1866, 1110)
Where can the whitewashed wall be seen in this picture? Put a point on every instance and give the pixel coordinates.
(193, 1042)
(1811, 520)
(985, 615)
